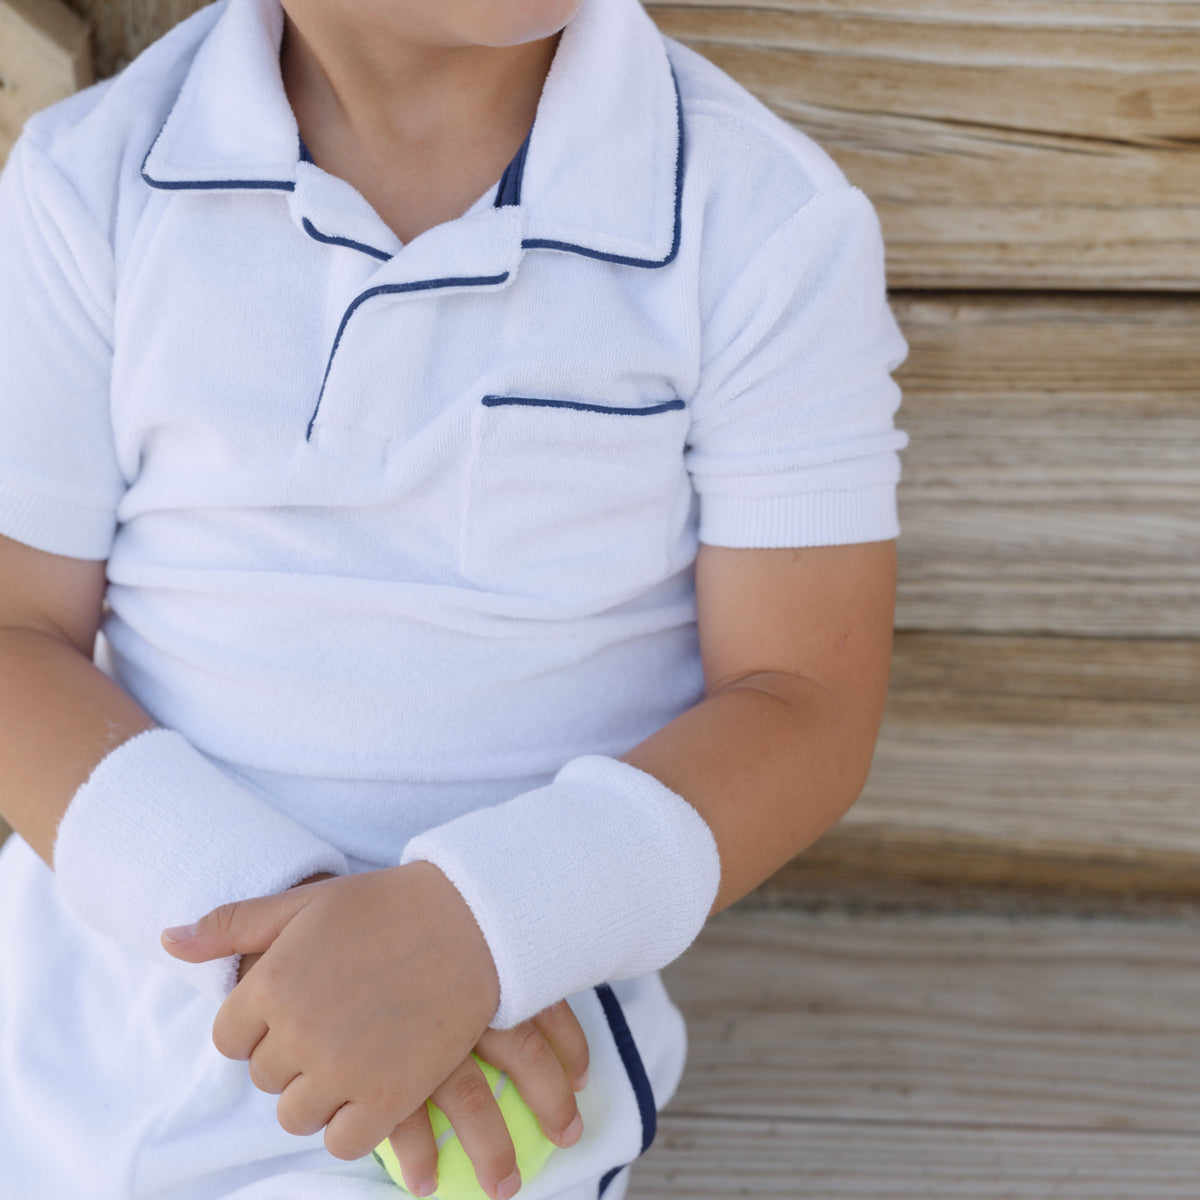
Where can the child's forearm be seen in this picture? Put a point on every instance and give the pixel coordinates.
(62, 716)
(771, 763)
(797, 647)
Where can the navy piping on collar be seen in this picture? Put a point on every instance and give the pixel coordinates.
(634, 1068)
(549, 244)
(277, 185)
(314, 233)
(509, 191)
(420, 285)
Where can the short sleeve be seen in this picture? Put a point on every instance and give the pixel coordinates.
(793, 441)
(59, 479)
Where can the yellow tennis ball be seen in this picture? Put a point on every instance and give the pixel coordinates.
(456, 1175)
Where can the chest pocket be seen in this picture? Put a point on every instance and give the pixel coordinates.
(573, 502)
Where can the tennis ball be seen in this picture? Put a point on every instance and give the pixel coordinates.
(456, 1175)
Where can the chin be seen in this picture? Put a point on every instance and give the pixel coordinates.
(515, 22)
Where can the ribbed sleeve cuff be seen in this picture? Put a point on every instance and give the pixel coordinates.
(803, 519)
(603, 874)
(159, 836)
(54, 525)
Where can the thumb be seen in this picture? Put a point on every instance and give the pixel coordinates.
(242, 927)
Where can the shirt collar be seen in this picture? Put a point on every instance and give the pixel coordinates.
(600, 175)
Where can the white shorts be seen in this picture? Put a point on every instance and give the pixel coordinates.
(111, 1088)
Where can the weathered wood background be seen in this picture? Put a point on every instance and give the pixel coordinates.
(1036, 164)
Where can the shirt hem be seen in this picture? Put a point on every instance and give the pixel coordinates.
(811, 519)
(56, 526)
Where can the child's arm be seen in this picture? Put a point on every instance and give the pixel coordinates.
(359, 971)
(66, 724)
(62, 714)
(796, 647)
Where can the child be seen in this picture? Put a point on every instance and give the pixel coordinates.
(471, 427)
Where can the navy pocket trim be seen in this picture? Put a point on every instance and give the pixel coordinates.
(533, 402)
(634, 1068)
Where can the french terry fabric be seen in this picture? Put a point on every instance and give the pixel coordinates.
(396, 531)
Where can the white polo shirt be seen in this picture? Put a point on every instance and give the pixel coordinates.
(394, 531)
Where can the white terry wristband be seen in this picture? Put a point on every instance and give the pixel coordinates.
(159, 836)
(603, 874)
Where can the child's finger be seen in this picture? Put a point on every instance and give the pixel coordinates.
(354, 1130)
(238, 1027)
(304, 1108)
(417, 1152)
(560, 1027)
(538, 1076)
(243, 927)
(271, 1069)
(466, 1099)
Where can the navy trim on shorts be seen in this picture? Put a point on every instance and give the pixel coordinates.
(421, 285)
(531, 402)
(635, 1069)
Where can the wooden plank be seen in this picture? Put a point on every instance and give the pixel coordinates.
(44, 56)
(1031, 1024)
(1043, 767)
(1052, 481)
(696, 1159)
(1006, 143)
(122, 29)
(870, 1057)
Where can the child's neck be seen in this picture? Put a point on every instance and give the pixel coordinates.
(421, 132)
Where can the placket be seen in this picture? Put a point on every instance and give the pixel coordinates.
(381, 348)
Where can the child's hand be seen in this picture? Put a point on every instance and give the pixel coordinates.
(371, 991)
(248, 960)
(547, 1060)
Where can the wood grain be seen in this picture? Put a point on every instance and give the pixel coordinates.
(122, 29)
(44, 56)
(1048, 768)
(1052, 481)
(844, 1055)
(795, 1160)
(1018, 144)
(1086, 1024)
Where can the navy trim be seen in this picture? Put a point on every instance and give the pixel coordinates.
(421, 285)
(666, 406)
(305, 153)
(314, 233)
(634, 1068)
(221, 185)
(278, 185)
(509, 191)
(548, 244)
